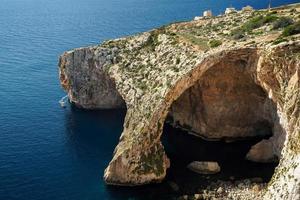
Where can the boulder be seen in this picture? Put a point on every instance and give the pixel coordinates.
(262, 152)
(204, 167)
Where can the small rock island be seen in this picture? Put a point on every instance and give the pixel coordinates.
(226, 77)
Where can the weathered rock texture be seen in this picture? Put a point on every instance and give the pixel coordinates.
(81, 79)
(239, 87)
(204, 167)
(226, 102)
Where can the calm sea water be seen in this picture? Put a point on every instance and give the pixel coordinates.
(47, 152)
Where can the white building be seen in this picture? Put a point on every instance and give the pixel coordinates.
(207, 13)
(198, 18)
(247, 9)
(230, 10)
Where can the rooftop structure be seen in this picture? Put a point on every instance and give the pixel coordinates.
(198, 18)
(247, 9)
(207, 13)
(230, 10)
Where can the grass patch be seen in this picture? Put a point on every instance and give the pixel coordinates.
(200, 42)
(214, 43)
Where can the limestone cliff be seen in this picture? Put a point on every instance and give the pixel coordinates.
(83, 71)
(226, 76)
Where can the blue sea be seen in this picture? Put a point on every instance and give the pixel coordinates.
(47, 152)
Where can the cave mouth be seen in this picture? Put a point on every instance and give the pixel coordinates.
(221, 118)
(183, 148)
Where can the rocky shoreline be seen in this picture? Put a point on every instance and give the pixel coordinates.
(230, 190)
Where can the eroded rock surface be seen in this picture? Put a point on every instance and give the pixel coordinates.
(80, 72)
(225, 103)
(152, 70)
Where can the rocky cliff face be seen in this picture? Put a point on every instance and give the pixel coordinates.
(210, 81)
(80, 72)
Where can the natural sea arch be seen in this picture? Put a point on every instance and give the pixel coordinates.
(139, 158)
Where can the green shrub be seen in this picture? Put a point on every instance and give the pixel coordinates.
(269, 18)
(291, 29)
(258, 21)
(280, 40)
(257, 32)
(282, 22)
(253, 23)
(237, 34)
(214, 43)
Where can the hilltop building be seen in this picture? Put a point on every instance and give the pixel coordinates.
(230, 10)
(198, 18)
(207, 14)
(247, 9)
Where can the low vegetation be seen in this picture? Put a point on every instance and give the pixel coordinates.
(286, 23)
(282, 22)
(214, 43)
(280, 40)
(258, 21)
(291, 29)
(237, 34)
(253, 23)
(200, 42)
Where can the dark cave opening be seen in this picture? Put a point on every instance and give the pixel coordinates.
(183, 148)
(221, 118)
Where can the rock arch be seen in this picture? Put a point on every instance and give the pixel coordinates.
(140, 151)
(139, 158)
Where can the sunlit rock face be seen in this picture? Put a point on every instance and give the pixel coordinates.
(87, 84)
(224, 103)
